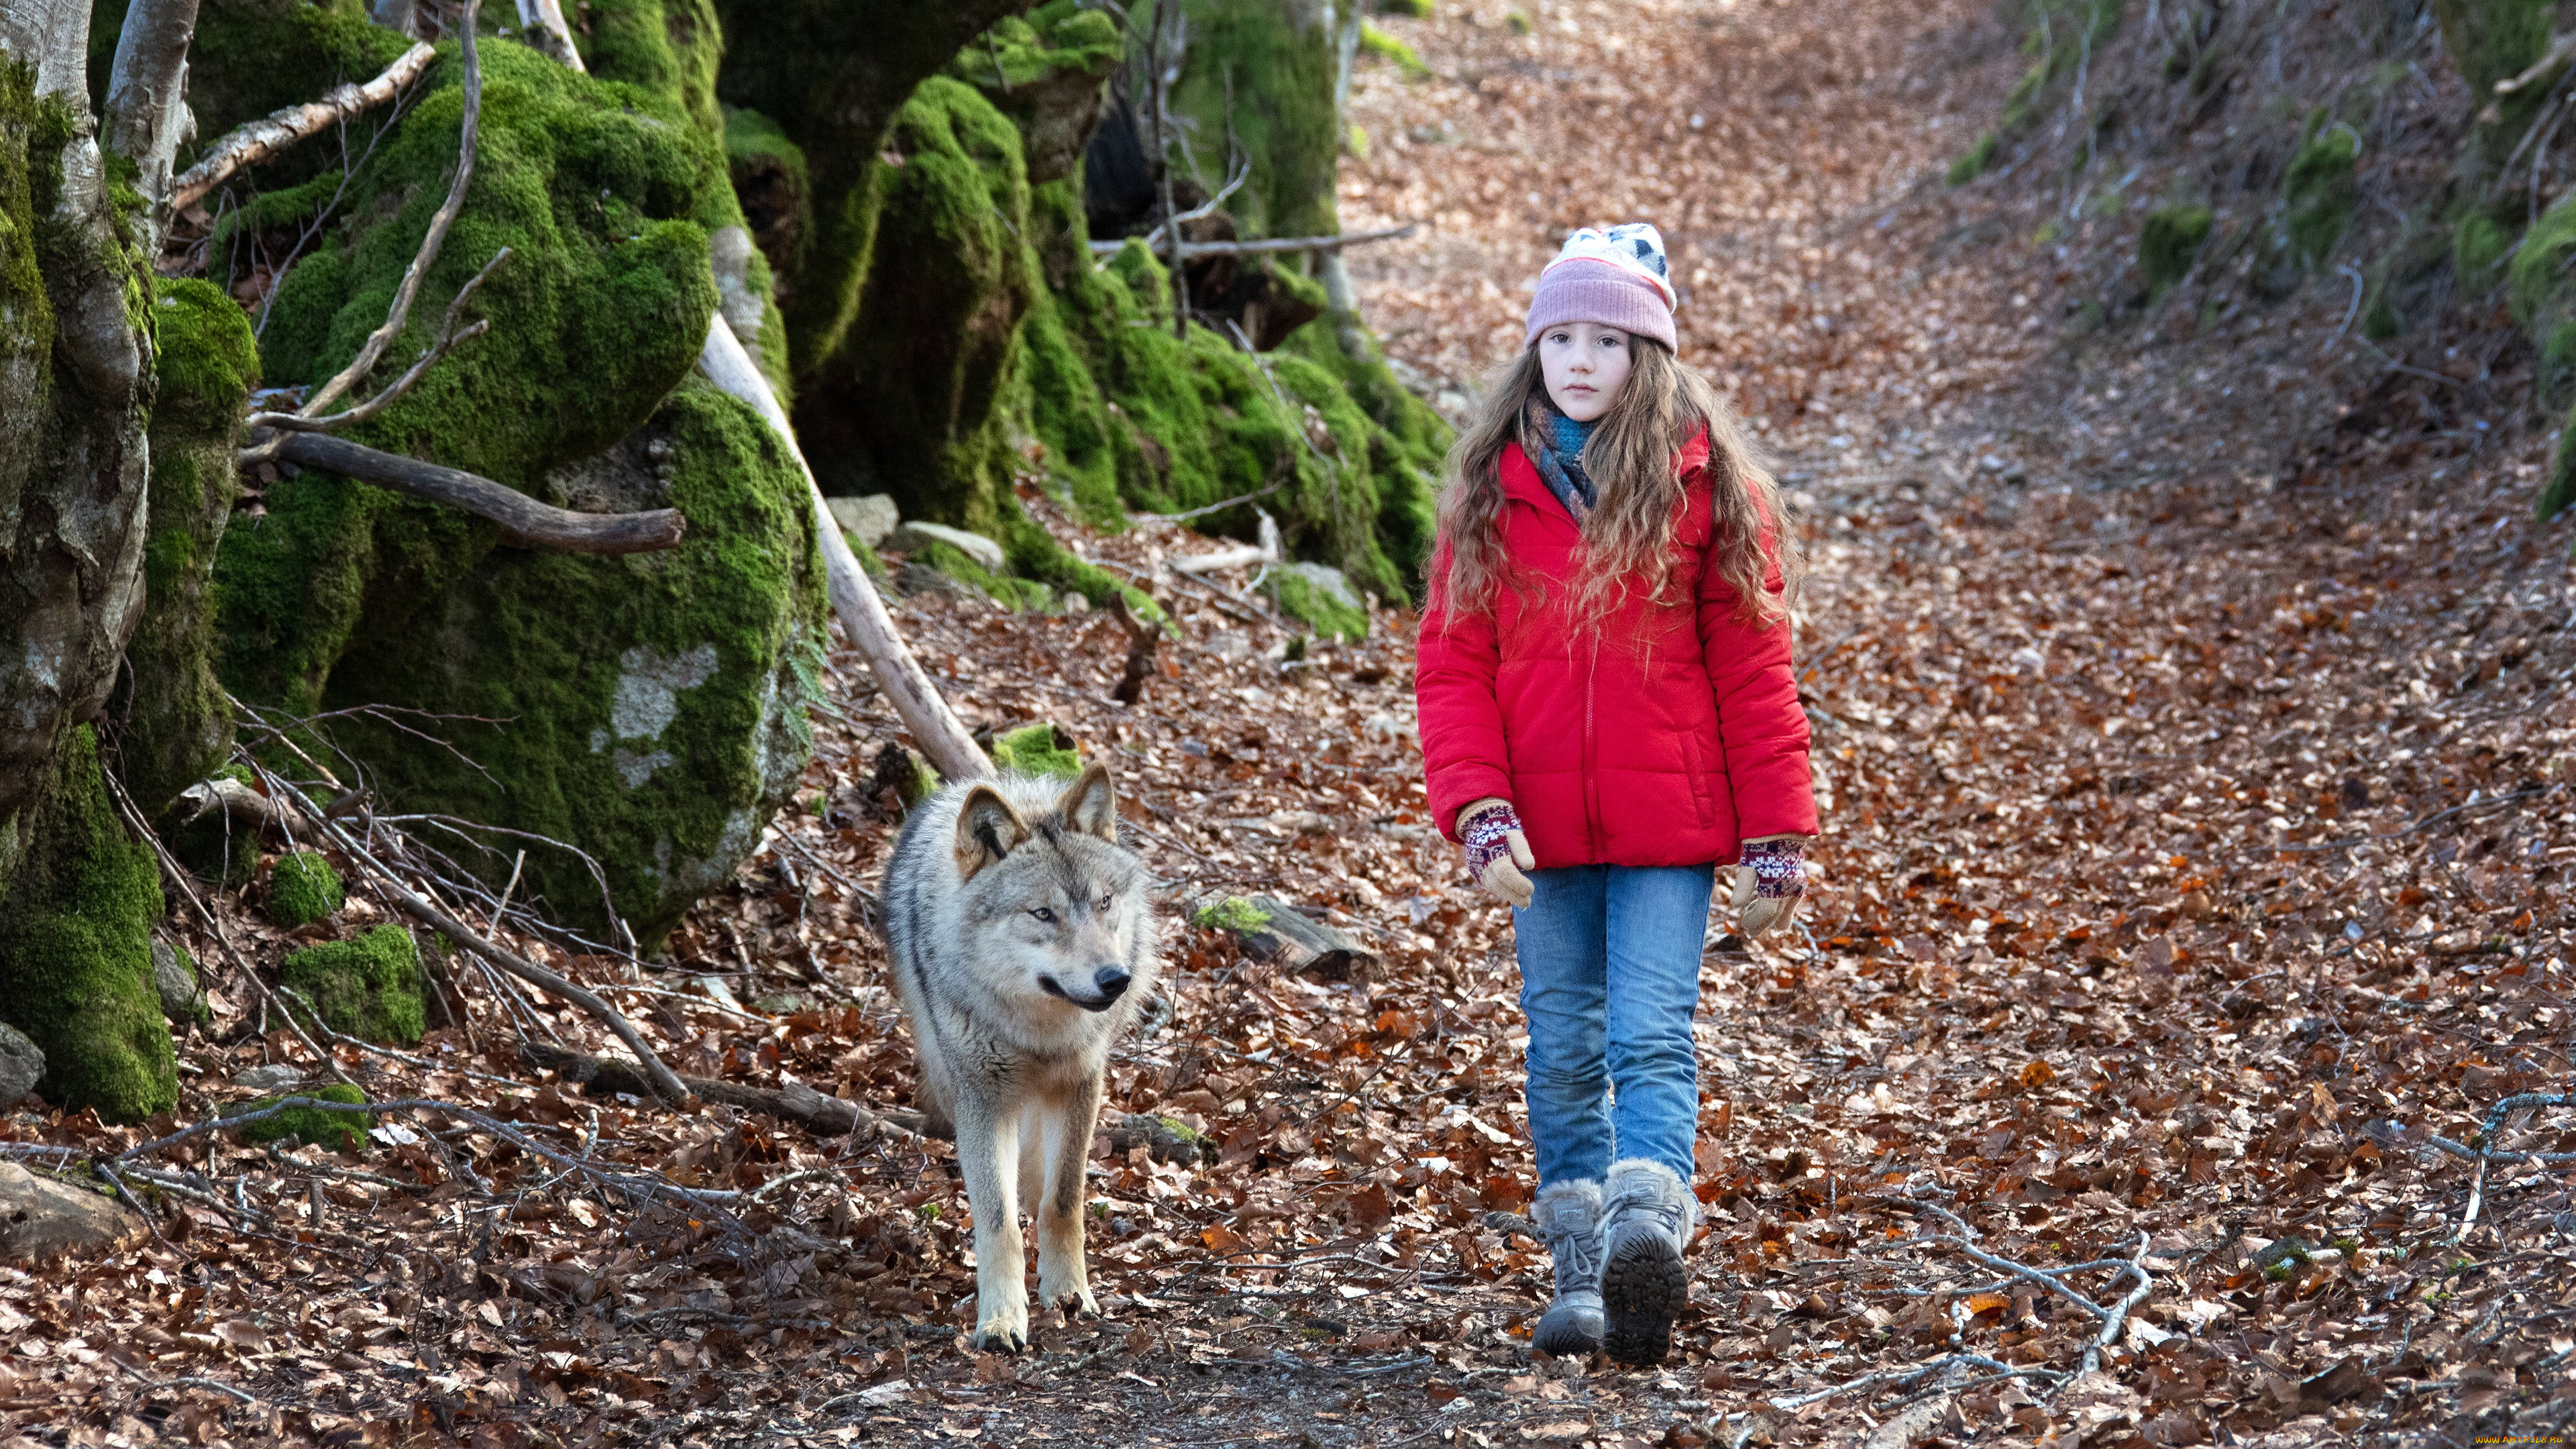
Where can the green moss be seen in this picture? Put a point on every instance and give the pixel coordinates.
(771, 182)
(2170, 242)
(174, 725)
(2479, 246)
(2493, 40)
(1259, 77)
(1411, 9)
(76, 947)
(250, 57)
(1233, 913)
(2542, 295)
(2321, 193)
(2559, 493)
(312, 1126)
(650, 709)
(1038, 749)
(1022, 53)
(1323, 603)
(270, 211)
(303, 889)
(669, 47)
(1394, 51)
(367, 987)
(1973, 162)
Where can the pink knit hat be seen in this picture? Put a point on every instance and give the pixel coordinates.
(1615, 278)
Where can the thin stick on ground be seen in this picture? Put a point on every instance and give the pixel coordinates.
(666, 1084)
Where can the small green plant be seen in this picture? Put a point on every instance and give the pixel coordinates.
(1394, 51)
(1411, 9)
(302, 889)
(1038, 749)
(2048, 232)
(2479, 246)
(1233, 913)
(929, 1212)
(1519, 23)
(2170, 242)
(2321, 191)
(1979, 157)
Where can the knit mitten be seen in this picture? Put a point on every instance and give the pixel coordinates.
(1769, 881)
(1568, 1215)
(1497, 852)
(1647, 1217)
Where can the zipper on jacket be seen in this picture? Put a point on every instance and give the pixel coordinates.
(1592, 755)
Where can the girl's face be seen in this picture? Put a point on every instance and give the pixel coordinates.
(1584, 364)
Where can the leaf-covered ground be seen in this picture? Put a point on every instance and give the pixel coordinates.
(2195, 885)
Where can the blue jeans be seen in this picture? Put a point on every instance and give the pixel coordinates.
(1609, 958)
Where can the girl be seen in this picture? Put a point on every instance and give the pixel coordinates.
(1608, 711)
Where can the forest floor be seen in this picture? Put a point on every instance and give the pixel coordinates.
(2194, 888)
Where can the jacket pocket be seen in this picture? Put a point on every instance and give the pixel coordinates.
(1698, 777)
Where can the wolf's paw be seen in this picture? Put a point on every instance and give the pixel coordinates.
(1002, 1333)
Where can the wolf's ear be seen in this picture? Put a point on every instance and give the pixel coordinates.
(1090, 805)
(987, 829)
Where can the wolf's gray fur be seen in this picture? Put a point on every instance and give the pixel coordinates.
(1023, 944)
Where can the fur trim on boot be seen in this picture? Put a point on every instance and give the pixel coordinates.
(1568, 1215)
(1648, 1214)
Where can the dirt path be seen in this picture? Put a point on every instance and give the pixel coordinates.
(2195, 867)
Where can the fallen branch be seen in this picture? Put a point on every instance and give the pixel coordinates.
(1267, 551)
(531, 524)
(943, 738)
(664, 1083)
(258, 140)
(2558, 54)
(1907, 1377)
(801, 1104)
(2486, 1157)
(1270, 246)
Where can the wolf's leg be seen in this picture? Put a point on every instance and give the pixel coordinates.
(988, 1148)
(1063, 1278)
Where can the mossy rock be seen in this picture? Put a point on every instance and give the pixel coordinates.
(76, 970)
(1259, 77)
(1038, 749)
(303, 889)
(311, 1126)
(2321, 193)
(1322, 598)
(367, 987)
(1233, 913)
(174, 724)
(2479, 246)
(1047, 71)
(2170, 242)
(649, 710)
(2543, 297)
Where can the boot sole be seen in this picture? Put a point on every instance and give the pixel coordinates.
(1642, 1293)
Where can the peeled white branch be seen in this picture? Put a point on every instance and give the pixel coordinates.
(265, 137)
(1269, 246)
(1267, 551)
(943, 738)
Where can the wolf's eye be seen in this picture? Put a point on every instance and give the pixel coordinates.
(1104, 905)
(1043, 914)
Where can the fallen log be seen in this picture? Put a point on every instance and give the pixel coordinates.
(531, 524)
(798, 1103)
(258, 140)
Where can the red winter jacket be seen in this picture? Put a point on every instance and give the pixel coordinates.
(1667, 737)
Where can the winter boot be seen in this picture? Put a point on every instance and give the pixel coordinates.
(1648, 1215)
(1568, 1215)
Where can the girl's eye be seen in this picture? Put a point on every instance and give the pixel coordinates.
(1043, 914)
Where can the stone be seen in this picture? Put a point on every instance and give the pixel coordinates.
(42, 1219)
(268, 1078)
(909, 536)
(867, 519)
(22, 1063)
(173, 977)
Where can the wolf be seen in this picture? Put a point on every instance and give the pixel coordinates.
(1023, 945)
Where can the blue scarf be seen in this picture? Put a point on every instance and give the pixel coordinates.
(1555, 445)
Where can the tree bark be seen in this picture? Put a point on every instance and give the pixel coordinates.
(943, 738)
(147, 108)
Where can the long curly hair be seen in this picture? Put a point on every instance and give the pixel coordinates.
(1628, 537)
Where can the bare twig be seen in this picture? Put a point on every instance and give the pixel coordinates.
(1267, 246)
(258, 140)
(439, 221)
(665, 1083)
(449, 334)
(531, 524)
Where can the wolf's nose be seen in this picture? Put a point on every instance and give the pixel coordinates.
(1110, 981)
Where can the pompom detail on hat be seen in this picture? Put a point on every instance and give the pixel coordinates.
(1614, 278)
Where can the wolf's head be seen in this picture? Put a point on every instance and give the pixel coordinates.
(1050, 894)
